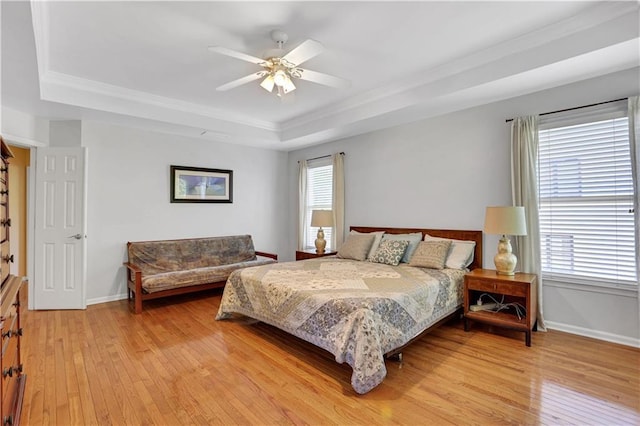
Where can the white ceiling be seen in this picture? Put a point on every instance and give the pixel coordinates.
(147, 64)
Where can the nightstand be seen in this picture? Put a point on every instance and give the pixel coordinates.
(311, 254)
(519, 288)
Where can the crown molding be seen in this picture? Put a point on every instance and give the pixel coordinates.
(427, 93)
(603, 15)
(106, 93)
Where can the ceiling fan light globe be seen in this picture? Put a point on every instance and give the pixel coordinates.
(280, 78)
(268, 83)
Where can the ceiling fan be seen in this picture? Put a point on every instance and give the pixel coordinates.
(280, 70)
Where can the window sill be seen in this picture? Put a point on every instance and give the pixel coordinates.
(590, 286)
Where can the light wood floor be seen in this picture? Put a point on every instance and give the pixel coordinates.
(175, 365)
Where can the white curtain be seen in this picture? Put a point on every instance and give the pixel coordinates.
(634, 144)
(302, 203)
(337, 236)
(524, 186)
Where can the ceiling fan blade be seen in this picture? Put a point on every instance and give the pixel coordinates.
(325, 79)
(239, 82)
(305, 51)
(235, 54)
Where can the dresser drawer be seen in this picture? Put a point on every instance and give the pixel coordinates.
(6, 258)
(4, 225)
(4, 191)
(10, 401)
(10, 333)
(10, 365)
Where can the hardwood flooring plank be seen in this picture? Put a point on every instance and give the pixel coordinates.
(174, 364)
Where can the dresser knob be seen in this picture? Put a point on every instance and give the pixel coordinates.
(7, 420)
(7, 334)
(8, 259)
(4, 192)
(7, 372)
(5, 222)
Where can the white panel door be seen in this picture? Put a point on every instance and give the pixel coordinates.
(59, 234)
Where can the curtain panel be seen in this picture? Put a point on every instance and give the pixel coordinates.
(633, 110)
(524, 187)
(302, 203)
(337, 236)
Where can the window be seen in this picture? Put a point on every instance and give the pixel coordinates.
(319, 197)
(587, 229)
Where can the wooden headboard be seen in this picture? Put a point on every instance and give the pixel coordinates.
(442, 233)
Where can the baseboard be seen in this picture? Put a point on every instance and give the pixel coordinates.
(595, 334)
(113, 298)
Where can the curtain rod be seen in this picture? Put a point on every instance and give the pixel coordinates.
(322, 156)
(578, 107)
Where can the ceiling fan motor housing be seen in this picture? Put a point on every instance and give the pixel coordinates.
(280, 37)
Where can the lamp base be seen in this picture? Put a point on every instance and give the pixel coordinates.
(321, 243)
(505, 260)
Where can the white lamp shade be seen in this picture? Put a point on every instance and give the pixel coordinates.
(320, 218)
(288, 86)
(505, 221)
(268, 83)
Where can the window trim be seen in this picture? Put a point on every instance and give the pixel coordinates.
(572, 283)
(612, 110)
(309, 231)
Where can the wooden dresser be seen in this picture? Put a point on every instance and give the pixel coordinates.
(13, 378)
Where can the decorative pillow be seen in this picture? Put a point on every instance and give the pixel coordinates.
(376, 242)
(413, 239)
(460, 253)
(390, 252)
(430, 254)
(356, 247)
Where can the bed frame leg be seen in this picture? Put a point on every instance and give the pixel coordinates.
(396, 357)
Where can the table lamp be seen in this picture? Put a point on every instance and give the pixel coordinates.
(505, 221)
(320, 218)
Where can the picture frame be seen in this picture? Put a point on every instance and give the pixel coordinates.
(201, 185)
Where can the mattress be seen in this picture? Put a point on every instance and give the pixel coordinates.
(356, 310)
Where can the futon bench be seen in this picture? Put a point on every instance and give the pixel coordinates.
(170, 267)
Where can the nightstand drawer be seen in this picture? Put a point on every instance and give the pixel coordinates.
(513, 289)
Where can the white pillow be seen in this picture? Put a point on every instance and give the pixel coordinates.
(460, 253)
(376, 241)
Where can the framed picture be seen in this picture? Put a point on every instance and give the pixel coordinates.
(200, 185)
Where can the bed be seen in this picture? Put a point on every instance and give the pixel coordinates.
(359, 311)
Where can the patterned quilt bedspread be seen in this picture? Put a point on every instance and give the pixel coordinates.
(356, 310)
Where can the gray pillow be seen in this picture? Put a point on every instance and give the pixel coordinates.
(390, 252)
(413, 238)
(356, 247)
(430, 254)
(376, 242)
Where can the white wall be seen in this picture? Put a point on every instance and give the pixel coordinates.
(442, 172)
(128, 197)
(24, 129)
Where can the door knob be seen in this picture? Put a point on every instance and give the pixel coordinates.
(77, 236)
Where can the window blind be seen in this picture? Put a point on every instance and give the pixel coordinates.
(319, 197)
(586, 200)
